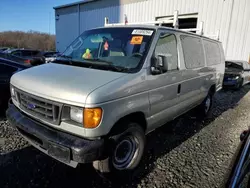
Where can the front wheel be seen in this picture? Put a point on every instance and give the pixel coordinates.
(239, 85)
(126, 150)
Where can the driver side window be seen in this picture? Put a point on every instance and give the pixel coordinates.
(167, 46)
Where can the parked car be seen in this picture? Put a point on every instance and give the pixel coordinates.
(33, 55)
(3, 49)
(110, 88)
(23, 52)
(239, 171)
(7, 69)
(23, 60)
(237, 74)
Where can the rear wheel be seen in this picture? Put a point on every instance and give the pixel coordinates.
(126, 150)
(206, 105)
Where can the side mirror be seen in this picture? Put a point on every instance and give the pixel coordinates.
(159, 64)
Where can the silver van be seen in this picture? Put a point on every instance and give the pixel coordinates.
(111, 87)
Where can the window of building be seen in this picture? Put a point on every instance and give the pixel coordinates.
(186, 21)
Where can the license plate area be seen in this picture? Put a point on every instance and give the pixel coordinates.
(59, 152)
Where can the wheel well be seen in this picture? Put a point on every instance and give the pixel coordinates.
(212, 89)
(136, 117)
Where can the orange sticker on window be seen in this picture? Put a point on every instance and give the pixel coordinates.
(136, 40)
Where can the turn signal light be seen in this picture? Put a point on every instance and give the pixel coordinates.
(92, 117)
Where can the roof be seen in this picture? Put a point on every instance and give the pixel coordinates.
(76, 3)
(236, 61)
(156, 28)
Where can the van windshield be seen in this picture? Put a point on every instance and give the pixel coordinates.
(121, 49)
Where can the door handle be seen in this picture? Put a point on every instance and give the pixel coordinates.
(179, 89)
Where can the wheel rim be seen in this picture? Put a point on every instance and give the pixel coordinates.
(207, 104)
(126, 150)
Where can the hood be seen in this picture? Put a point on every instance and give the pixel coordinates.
(62, 83)
(233, 67)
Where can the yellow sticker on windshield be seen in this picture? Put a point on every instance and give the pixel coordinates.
(136, 40)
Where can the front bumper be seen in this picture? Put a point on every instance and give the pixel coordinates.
(231, 83)
(62, 146)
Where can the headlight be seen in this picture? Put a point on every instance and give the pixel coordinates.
(76, 114)
(237, 77)
(13, 92)
(88, 117)
(92, 117)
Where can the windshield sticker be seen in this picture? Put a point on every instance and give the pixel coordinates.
(136, 40)
(142, 32)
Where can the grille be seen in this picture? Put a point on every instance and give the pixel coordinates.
(39, 108)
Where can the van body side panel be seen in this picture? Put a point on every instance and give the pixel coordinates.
(163, 88)
(117, 109)
(118, 99)
(163, 97)
(190, 94)
(208, 80)
(192, 78)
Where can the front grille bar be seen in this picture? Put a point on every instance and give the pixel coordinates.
(40, 108)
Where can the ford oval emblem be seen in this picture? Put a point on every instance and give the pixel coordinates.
(31, 106)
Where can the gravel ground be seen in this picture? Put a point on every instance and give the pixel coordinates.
(188, 152)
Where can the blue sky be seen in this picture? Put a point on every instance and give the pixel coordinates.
(25, 15)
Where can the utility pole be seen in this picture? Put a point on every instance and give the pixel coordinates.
(49, 22)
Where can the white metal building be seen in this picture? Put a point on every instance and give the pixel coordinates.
(231, 18)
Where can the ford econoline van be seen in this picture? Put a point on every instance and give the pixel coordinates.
(111, 87)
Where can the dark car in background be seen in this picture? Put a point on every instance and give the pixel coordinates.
(33, 57)
(3, 49)
(237, 74)
(7, 69)
(23, 52)
(22, 60)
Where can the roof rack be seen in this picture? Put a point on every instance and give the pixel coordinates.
(172, 19)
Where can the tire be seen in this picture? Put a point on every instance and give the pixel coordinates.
(206, 105)
(126, 150)
(239, 85)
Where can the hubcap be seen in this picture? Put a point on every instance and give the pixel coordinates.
(125, 152)
(207, 104)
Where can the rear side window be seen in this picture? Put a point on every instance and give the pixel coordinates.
(17, 53)
(192, 51)
(34, 53)
(167, 46)
(212, 51)
(26, 53)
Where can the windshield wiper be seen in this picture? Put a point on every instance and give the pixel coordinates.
(99, 60)
(68, 58)
(90, 63)
(109, 64)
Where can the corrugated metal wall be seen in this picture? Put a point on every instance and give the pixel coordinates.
(231, 17)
